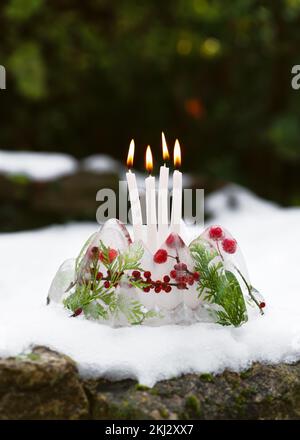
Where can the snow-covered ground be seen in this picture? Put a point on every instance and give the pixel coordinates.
(269, 238)
(37, 166)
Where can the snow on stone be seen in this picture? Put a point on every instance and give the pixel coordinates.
(268, 236)
(102, 163)
(37, 166)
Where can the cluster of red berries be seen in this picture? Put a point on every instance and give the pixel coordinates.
(179, 277)
(157, 285)
(229, 245)
(182, 276)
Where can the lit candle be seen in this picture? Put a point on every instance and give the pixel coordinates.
(150, 203)
(136, 212)
(163, 212)
(177, 191)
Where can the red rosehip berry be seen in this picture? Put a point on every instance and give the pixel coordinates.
(136, 274)
(93, 252)
(229, 245)
(166, 279)
(180, 266)
(181, 286)
(77, 312)
(101, 256)
(112, 255)
(157, 289)
(106, 284)
(168, 289)
(174, 240)
(196, 276)
(190, 280)
(171, 240)
(160, 256)
(216, 233)
(173, 274)
(146, 289)
(147, 274)
(262, 305)
(99, 276)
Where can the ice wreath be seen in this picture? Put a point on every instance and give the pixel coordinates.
(121, 283)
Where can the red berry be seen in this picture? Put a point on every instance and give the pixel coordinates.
(106, 284)
(166, 279)
(216, 233)
(158, 283)
(262, 305)
(180, 266)
(160, 256)
(229, 245)
(190, 280)
(174, 241)
(196, 276)
(181, 286)
(168, 289)
(136, 274)
(181, 278)
(173, 274)
(77, 312)
(146, 289)
(112, 255)
(101, 256)
(93, 252)
(170, 241)
(99, 276)
(147, 274)
(157, 289)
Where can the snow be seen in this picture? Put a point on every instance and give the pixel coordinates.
(37, 166)
(269, 237)
(101, 163)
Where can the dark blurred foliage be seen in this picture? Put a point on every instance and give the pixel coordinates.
(86, 76)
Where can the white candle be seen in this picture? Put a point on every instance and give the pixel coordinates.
(151, 204)
(177, 192)
(163, 213)
(136, 212)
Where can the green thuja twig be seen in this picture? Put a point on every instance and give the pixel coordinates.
(97, 297)
(218, 286)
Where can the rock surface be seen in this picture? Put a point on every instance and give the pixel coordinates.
(46, 385)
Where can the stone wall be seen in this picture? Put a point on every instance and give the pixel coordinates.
(45, 385)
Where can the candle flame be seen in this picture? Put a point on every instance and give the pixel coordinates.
(149, 160)
(165, 151)
(130, 154)
(177, 154)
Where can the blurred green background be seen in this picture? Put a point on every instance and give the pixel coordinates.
(84, 77)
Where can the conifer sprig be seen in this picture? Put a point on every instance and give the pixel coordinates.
(219, 286)
(95, 294)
